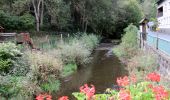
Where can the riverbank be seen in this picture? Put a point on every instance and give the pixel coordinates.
(103, 69)
(30, 73)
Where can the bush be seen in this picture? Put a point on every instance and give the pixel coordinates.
(24, 22)
(5, 65)
(90, 41)
(8, 55)
(43, 64)
(21, 66)
(68, 69)
(128, 46)
(143, 61)
(74, 52)
(27, 22)
(17, 88)
(78, 49)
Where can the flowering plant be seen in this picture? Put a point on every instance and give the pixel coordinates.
(129, 89)
(43, 97)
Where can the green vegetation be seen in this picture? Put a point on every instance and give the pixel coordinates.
(25, 74)
(51, 86)
(106, 17)
(68, 69)
(128, 46)
(8, 55)
(24, 22)
(139, 62)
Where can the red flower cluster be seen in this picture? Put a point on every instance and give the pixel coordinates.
(44, 97)
(160, 93)
(123, 81)
(89, 91)
(124, 95)
(153, 77)
(63, 98)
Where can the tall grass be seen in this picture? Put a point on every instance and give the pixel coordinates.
(77, 49)
(44, 65)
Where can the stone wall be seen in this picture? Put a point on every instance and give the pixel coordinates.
(163, 60)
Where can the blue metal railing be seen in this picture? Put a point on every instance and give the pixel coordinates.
(159, 43)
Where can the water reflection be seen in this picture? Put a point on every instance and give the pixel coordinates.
(102, 72)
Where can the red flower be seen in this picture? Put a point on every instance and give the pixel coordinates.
(150, 86)
(89, 91)
(123, 81)
(124, 95)
(160, 93)
(63, 98)
(153, 77)
(44, 97)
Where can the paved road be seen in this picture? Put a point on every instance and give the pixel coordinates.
(160, 35)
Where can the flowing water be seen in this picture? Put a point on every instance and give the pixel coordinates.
(102, 72)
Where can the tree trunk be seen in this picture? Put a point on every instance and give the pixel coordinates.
(36, 5)
(42, 13)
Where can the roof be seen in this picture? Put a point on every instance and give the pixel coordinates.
(143, 20)
(160, 1)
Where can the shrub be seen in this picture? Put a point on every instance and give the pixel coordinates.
(78, 49)
(27, 21)
(74, 51)
(90, 41)
(43, 64)
(17, 88)
(143, 61)
(10, 22)
(68, 69)
(5, 65)
(21, 66)
(8, 55)
(128, 46)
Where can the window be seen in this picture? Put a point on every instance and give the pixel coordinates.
(160, 12)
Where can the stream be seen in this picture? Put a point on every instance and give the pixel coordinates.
(102, 72)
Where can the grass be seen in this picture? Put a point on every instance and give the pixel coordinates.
(68, 69)
(51, 86)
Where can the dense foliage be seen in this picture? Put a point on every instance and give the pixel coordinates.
(106, 17)
(28, 73)
(128, 46)
(24, 22)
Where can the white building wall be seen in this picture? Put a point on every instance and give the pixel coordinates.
(164, 21)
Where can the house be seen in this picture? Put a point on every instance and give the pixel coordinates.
(163, 16)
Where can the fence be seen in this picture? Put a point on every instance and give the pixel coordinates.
(159, 43)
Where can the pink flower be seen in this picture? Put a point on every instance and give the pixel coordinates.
(63, 98)
(123, 81)
(124, 95)
(160, 93)
(89, 91)
(44, 97)
(153, 77)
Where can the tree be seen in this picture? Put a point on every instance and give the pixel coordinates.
(149, 8)
(37, 11)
